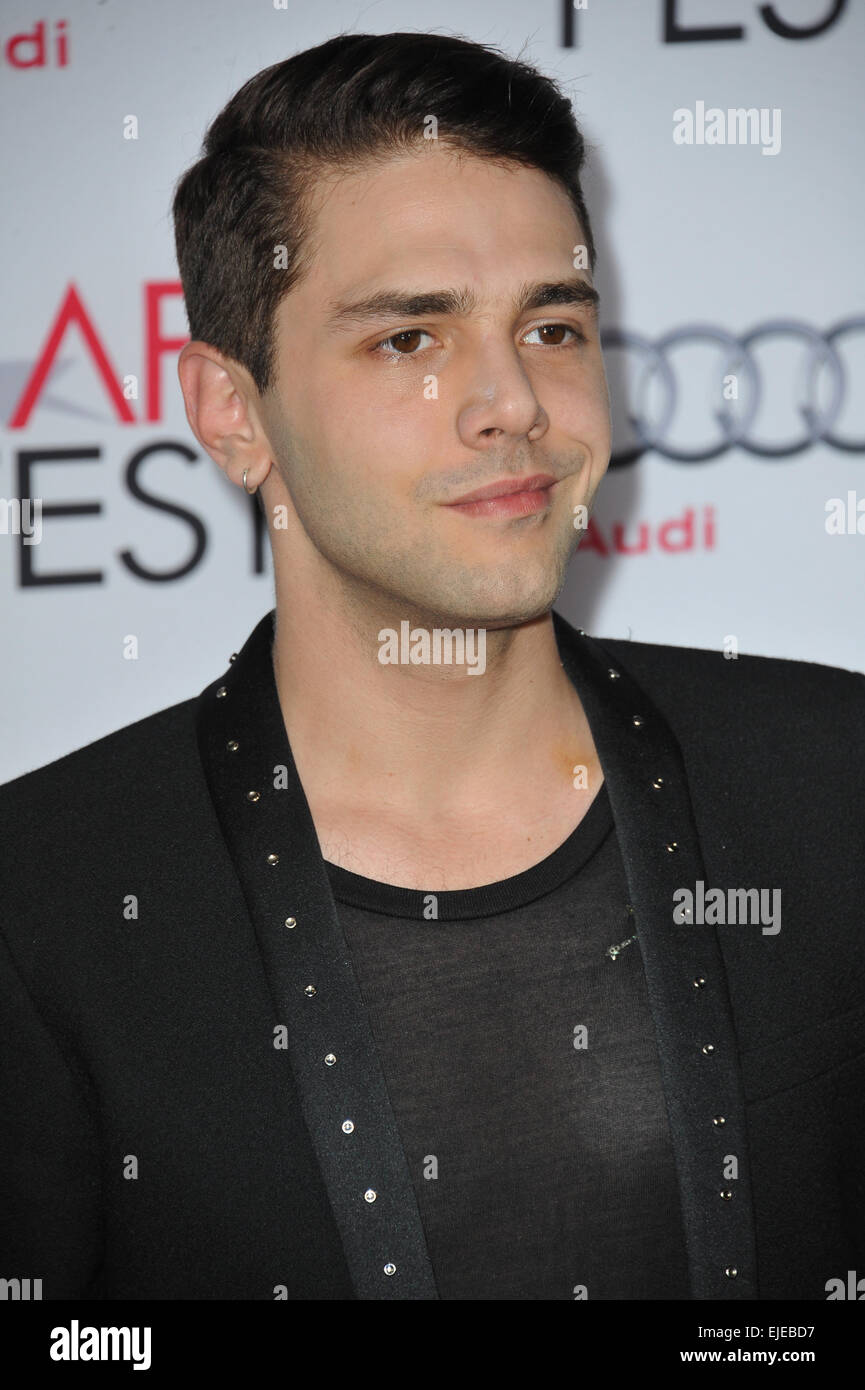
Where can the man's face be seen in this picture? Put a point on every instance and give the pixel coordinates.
(380, 420)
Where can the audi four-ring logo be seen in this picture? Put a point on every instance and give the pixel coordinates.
(733, 426)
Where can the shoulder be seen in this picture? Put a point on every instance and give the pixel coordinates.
(95, 789)
(767, 731)
(129, 814)
(684, 675)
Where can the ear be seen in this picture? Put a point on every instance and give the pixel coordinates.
(220, 399)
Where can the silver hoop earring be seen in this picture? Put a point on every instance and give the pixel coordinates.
(249, 490)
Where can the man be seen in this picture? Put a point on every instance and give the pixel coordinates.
(409, 961)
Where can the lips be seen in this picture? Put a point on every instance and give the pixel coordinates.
(509, 500)
(506, 488)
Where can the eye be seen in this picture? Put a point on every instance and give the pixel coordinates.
(402, 344)
(546, 328)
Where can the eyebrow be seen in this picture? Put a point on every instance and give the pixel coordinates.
(407, 304)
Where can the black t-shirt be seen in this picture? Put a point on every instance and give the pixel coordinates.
(521, 1063)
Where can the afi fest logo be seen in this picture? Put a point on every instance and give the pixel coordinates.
(673, 25)
(73, 313)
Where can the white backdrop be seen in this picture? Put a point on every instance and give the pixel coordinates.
(719, 237)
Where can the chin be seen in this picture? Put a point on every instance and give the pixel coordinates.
(498, 605)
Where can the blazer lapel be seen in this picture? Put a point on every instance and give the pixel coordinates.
(269, 832)
(685, 975)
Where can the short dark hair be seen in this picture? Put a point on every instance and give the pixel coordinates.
(355, 98)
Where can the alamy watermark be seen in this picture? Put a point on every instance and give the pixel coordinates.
(20, 1290)
(77, 1343)
(440, 646)
(738, 125)
(21, 516)
(717, 907)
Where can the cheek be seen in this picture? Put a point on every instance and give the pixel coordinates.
(390, 427)
(357, 404)
(581, 409)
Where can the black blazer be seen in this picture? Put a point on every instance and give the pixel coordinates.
(173, 1101)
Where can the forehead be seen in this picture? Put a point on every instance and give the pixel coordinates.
(437, 211)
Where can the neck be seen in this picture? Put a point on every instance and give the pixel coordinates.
(421, 739)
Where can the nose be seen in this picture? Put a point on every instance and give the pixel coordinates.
(499, 401)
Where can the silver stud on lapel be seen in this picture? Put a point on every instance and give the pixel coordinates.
(658, 783)
(699, 982)
(731, 1272)
(233, 656)
(719, 1120)
(726, 1195)
(253, 796)
(348, 1126)
(638, 721)
(310, 991)
(221, 692)
(615, 951)
(390, 1268)
(273, 859)
(232, 745)
(708, 1049)
(330, 1060)
(613, 674)
(672, 846)
(369, 1195)
(291, 922)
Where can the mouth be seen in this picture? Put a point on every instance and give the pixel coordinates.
(510, 497)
